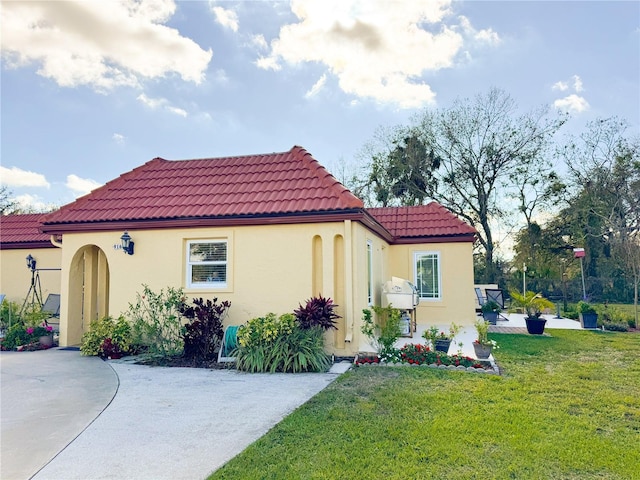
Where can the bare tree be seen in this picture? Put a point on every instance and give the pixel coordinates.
(7, 203)
(467, 157)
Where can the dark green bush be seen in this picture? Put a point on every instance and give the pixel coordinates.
(615, 327)
(16, 336)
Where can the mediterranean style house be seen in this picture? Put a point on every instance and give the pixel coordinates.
(265, 232)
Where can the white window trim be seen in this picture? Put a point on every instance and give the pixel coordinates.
(370, 292)
(189, 264)
(416, 255)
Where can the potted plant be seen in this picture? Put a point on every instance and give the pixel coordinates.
(490, 311)
(588, 315)
(532, 304)
(440, 341)
(482, 345)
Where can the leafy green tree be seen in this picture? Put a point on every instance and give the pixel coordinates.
(465, 157)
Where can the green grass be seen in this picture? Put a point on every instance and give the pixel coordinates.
(567, 406)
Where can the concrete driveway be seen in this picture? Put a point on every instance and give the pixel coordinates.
(67, 417)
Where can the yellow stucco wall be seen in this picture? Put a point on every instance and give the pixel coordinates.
(456, 264)
(15, 277)
(271, 268)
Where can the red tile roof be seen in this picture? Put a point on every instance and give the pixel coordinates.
(422, 221)
(272, 184)
(23, 231)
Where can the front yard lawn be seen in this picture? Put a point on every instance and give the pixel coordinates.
(567, 406)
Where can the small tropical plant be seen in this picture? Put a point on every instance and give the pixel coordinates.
(203, 333)
(532, 303)
(491, 306)
(384, 331)
(434, 334)
(482, 328)
(317, 311)
(585, 307)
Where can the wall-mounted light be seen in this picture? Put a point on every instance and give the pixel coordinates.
(31, 263)
(127, 244)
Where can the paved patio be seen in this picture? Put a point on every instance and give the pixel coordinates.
(514, 324)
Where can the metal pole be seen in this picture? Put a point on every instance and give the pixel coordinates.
(584, 291)
(524, 279)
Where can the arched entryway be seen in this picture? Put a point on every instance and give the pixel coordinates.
(88, 291)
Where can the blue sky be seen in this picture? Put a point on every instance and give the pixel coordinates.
(91, 89)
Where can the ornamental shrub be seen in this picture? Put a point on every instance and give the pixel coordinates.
(384, 331)
(106, 337)
(280, 344)
(157, 322)
(203, 334)
(318, 311)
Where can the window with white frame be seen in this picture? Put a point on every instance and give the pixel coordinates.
(427, 275)
(369, 272)
(207, 264)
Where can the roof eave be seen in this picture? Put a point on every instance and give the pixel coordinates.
(26, 245)
(226, 221)
(461, 238)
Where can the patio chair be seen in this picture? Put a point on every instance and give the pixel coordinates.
(481, 300)
(52, 307)
(496, 295)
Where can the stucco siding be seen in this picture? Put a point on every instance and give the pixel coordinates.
(456, 274)
(15, 277)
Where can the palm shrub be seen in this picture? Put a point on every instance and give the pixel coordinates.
(532, 303)
(157, 322)
(203, 334)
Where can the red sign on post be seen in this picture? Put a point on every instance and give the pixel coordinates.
(578, 252)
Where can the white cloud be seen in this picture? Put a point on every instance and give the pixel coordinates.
(152, 103)
(81, 186)
(155, 103)
(178, 111)
(487, 35)
(562, 86)
(377, 49)
(572, 103)
(259, 41)
(101, 44)
(31, 203)
(226, 18)
(316, 87)
(16, 177)
(577, 83)
(118, 138)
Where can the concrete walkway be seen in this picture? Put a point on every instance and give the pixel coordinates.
(47, 399)
(163, 423)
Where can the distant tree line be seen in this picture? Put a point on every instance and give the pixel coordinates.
(504, 171)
